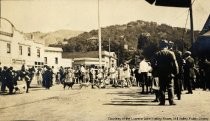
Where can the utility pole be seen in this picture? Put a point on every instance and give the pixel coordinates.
(0, 13)
(191, 25)
(109, 55)
(118, 56)
(178, 3)
(99, 34)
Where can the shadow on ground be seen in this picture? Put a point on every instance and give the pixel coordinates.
(132, 99)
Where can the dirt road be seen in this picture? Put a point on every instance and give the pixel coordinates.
(121, 104)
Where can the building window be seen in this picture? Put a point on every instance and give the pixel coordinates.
(38, 53)
(45, 60)
(20, 50)
(8, 48)
(29, 51)
(56, 60)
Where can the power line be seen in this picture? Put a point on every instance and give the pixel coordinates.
(179, 16)
(182, 38)
(187, 19)
(185, 24)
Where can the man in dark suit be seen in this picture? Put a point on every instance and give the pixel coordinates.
(177, 77)
(207, 74)
(3, 79)
(137, 76)
(167, 67)
(9, 79)
(189, 72)
(48, 77)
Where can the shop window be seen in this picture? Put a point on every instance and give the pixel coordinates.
(38, 53)
(20, 50)
(29, 51)
(45, 60)
(56, 60)
(8, 48)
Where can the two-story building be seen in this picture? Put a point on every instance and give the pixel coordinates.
(53, 57)
(17, 49)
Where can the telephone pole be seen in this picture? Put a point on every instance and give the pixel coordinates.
(178, 3)
(0, 13)
(191, 25)
(99, 33)
(109, 55)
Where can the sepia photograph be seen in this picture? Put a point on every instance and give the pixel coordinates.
(104, 60)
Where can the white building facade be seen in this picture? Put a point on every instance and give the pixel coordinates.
(108, 59)
(53, 57)
(16, 49)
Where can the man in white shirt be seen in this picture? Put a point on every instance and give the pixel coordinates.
(82, 75)
(112, 72)
(144, 68)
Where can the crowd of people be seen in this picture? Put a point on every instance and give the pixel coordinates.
(168, 71)
(47, 76)
(177, 72)
(10, 78)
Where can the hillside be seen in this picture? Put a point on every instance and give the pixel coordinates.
(54, 37)
(140, 36)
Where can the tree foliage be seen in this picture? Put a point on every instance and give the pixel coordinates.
(140, 36)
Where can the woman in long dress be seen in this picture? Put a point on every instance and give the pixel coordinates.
(127, 73)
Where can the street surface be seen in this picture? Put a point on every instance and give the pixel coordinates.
(112, 104)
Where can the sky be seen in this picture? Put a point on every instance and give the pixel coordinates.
(82, 15)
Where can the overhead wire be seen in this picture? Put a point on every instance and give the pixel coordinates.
(187, 17)
(182, 38)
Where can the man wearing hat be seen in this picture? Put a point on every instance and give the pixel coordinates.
(48, 77)
(167, 67)
(189, 73)
(3, 79)
(9, 79)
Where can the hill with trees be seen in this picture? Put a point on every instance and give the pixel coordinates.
(140, 37)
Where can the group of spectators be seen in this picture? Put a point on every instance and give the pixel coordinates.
(173, 72)
(47, 76)
(9, 78)
(169, 70)
(96, 75)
